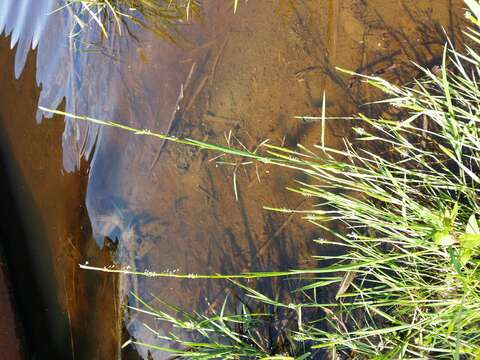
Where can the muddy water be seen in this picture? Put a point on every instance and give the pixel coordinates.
(168, 206)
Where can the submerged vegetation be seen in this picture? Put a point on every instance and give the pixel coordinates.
(401, 201)
(162, 17)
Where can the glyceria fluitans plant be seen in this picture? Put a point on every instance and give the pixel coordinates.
(408, 201)
(163, 17)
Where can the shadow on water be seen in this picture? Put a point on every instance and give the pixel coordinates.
(28, 255)
(67, 313)
(106, 197)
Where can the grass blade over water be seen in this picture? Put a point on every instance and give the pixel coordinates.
(406, 195)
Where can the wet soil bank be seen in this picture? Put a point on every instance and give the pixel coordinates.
(169, 206)
(66, 313)
(12, 341)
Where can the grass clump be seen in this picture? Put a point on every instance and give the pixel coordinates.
(402, 201)
(213, 336)
(162, 17)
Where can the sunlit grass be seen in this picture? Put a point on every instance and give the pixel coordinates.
(162, 17)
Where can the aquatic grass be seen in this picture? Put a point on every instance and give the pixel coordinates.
(163, 17)
(402, 201)
(216, 336)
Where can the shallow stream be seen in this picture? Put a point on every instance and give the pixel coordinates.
(102, 196)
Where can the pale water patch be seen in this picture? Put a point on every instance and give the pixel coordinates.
(46, 25)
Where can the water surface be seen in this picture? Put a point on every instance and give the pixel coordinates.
(246, 74)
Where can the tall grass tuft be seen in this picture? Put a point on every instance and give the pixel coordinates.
(406, 196)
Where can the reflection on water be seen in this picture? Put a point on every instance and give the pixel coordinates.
(158, 206)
